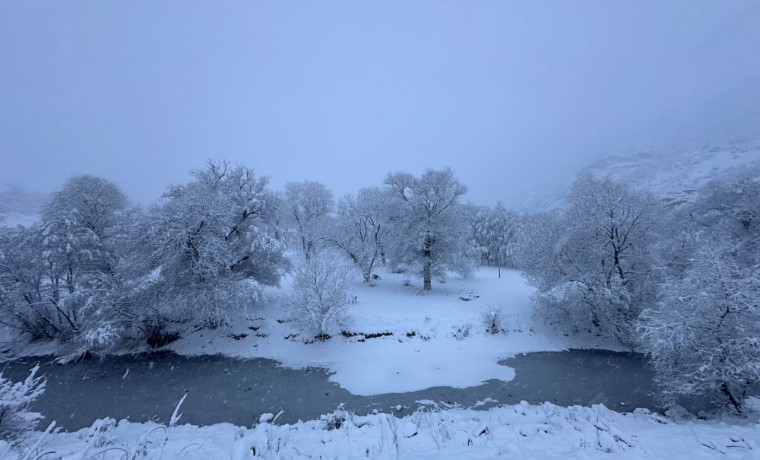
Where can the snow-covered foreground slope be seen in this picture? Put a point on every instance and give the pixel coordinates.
(519, 431)
(400, 341)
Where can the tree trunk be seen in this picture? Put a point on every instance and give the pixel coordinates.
(427, 277)
(306, 248)
(427, 269)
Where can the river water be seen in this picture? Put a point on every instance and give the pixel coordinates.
(145, 387)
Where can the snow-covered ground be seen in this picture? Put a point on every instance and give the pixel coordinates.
(404, 341)
(677, 175)
(518, 431)
(400, 341)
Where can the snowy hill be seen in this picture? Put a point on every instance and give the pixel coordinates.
(674, 174)
(677, 175)
(19, 207)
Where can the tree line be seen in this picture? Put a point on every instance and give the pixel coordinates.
(95, 271)
(679, 283)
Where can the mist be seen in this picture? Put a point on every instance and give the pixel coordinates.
(516, 97)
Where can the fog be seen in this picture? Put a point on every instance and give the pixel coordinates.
(515, 96)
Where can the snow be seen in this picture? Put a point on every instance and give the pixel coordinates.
(677, 175)
(522, 431)
(674, 174)
(19, 207)
(425, 345)
(402, 341)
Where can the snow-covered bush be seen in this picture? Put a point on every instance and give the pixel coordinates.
(102, 336)
(338, 418)
(468, 294)
(100, 434)
(321, 294)
(704, 334)
(96, 337)
(494, 320)
(462, 332)
(574, 307)
(15, 398)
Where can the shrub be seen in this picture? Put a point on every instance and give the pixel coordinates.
(462, 332)
(15, 398)
(494, 320)
(321, 295)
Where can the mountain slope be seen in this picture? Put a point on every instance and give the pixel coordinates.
(675, 175)
(19, 207)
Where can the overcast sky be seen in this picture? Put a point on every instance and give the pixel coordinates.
(515, 96)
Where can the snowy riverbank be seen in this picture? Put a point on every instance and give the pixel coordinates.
(400, 341)
(518, 431)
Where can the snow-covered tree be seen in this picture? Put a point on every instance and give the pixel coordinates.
(429, 231)
(93, 202)
(321, 294)
(360, 228)
(704, 334)
(495, 231)
(307, 207)
(212, 244)
(49, 272)
(78, 231)
(24, 304)
(592, 264)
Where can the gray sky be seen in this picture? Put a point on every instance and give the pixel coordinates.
(515, 96)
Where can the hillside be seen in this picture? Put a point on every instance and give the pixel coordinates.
(674, 174)
(677, 175)
(19, 207)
